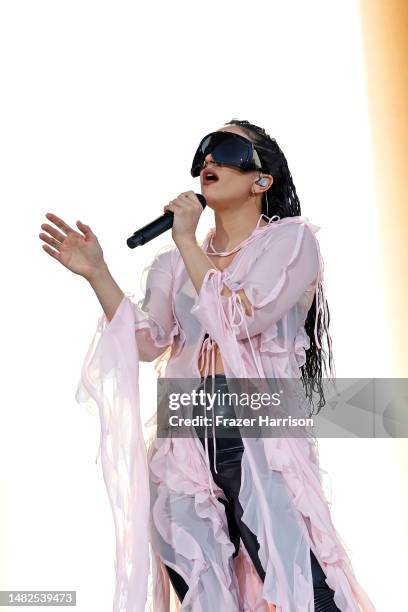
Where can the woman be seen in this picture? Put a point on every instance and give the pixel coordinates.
(240, 523)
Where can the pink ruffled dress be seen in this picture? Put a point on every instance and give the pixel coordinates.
(164, 500)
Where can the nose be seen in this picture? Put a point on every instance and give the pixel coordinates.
(208, 159)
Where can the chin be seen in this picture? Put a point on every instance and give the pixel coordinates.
(210, 193)
(213, 191)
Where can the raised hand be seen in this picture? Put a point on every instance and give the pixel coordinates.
(79, 252)
(187, 210)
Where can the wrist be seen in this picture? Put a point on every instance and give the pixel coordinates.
(185, 241)
(98, 274)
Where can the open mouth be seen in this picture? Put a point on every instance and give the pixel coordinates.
(209, 177)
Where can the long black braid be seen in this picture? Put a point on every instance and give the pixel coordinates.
(284, 201)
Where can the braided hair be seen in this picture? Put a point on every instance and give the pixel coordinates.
(283, 201)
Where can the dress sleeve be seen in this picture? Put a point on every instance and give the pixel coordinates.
(155, 324)
(286, 264)
(110, 383)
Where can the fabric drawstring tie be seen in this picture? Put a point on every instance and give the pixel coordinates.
(208, 355)
(236, 309)
(208, 352)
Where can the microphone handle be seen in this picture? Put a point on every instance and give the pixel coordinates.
(156, 227)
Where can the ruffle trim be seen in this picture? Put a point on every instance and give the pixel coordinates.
(193, 483)
(298, 463)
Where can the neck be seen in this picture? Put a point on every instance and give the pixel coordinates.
(234, 226)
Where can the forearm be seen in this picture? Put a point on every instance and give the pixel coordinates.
(107, 291)
(198, 263)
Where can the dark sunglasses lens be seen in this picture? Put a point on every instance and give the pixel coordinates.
(231, 151)
(225, 148)
(200, 155)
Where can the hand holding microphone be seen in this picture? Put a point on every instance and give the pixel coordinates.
(181, 214)
(187, 210)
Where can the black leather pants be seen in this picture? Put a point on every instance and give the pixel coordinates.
(229, 452)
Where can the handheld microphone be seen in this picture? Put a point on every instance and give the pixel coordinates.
(157, 227)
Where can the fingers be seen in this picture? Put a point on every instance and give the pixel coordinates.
(50, 240)
(54, 232)
(59, 223)
(51, 252)
(188, 194)
(187, 197)
(59, 237)
(173, 206)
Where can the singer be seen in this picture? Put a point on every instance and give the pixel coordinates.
(220, 523)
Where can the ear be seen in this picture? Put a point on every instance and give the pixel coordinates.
(270, 179)
(267, 180)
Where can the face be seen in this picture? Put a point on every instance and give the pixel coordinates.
(233, 184)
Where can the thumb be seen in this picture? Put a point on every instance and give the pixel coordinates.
(85, 229)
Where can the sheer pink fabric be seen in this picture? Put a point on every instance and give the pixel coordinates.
(163, 497)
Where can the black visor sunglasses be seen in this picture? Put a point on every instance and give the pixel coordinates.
(229, 149)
